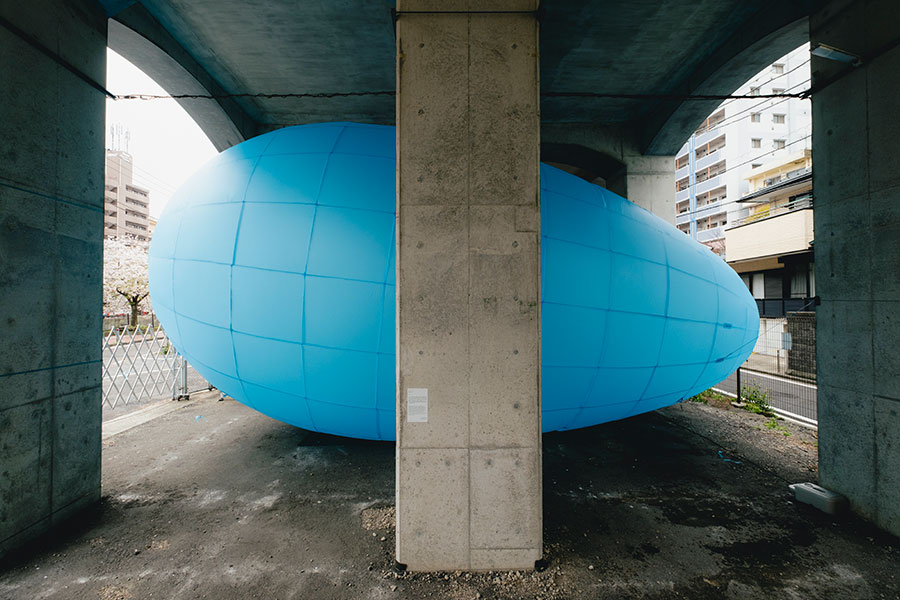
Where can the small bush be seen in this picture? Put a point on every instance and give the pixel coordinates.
(757, 400)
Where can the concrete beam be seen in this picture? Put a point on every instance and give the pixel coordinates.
(612, 153)
(136, 35)
(777, 28)
(468, 286)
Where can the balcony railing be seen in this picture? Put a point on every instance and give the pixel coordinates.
(779, 307)
(713, 233)
(795, 205)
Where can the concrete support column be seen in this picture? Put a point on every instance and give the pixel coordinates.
(856, 182)
(51, 227)
(468, 286)
(650, 183)
(613, 153)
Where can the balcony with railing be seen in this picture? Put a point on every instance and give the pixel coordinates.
(710, 184)
(707, 134)
(783, 229)
(710, 209)
(713, 233)
(715, 155)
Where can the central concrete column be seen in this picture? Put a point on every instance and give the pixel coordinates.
(468, 286)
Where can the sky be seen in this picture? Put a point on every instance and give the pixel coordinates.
(167, 146)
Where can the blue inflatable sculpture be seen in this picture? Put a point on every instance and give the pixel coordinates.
(272, 271)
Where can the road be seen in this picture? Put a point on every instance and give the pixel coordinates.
(791, 395)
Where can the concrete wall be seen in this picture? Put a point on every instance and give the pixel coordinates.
(857, 230)
(51, 226)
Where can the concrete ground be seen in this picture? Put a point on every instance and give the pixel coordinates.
(213, 500)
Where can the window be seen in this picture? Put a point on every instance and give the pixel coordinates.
(779, 119)
(755, 142)
(778, 69)
(798, 283)
(777, 90)
(755, 117)
(779, 144)
(754, 91)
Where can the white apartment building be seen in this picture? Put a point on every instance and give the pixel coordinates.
(126, 206)
(712, 166)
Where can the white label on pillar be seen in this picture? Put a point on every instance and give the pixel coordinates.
(416, 405)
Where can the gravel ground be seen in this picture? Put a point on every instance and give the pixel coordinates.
(216, 501)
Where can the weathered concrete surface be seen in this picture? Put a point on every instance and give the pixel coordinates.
(234, 505)
(857, 231)
(589, 47)
(468, 279)
(613, 153)
(51, 225)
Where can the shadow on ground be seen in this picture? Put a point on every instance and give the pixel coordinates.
(217, 501)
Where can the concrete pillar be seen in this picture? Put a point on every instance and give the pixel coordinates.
(650, 183)
(615, 155)
(51, 226)
(468, 309)
(856, 182)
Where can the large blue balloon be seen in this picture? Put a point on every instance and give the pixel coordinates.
(272, 271)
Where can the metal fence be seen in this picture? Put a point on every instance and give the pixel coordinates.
(782, 369)
(140, 366)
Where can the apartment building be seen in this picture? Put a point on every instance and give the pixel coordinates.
(711, 168)
(770, 242)
(127, 205)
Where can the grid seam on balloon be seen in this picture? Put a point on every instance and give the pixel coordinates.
(611, 251)
(301, 203)
(636, 314)
(301, 343)
(609, 287)
(712, 345)
(662, 339)
(312, 231)
(616, 252)
(305, 397)
(234, 250)
(382, 156)
(346, 349)
(602, 204)
(384, 289)
(243, 266)
(580, 409)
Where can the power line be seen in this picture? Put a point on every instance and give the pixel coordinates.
(562, 94)
(733, 118)
(142, 179)
(719, 208)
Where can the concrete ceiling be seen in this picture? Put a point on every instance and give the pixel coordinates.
(596, 46)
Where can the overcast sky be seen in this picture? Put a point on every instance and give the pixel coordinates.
(166, 144)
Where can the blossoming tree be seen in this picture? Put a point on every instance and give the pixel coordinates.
(125, 284)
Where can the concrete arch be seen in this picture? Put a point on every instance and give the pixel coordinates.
(764, 39)
(137, 36)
